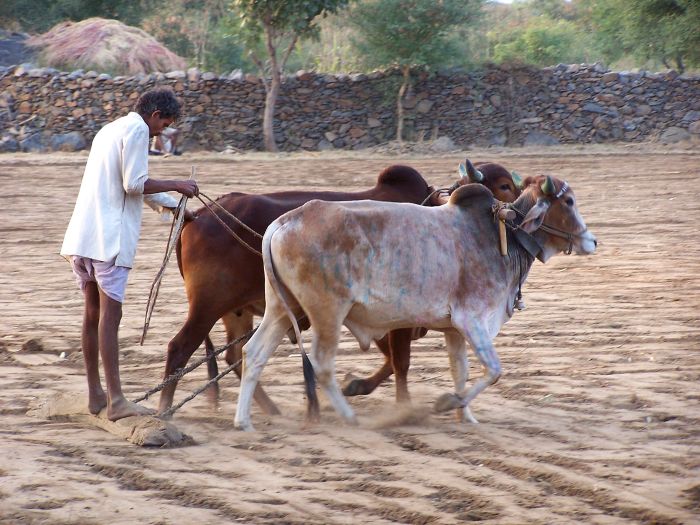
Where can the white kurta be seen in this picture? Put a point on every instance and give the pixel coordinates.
(106, 221)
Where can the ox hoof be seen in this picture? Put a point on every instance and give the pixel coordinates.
(244, 426)
(447, 402)
(354, 388)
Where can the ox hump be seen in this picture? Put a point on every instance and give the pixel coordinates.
(472, 195)
(400, 175)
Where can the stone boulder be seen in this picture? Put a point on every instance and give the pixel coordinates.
(538, 138)
(36, 143)
(71, 141)
(8, 144)
(673, 135)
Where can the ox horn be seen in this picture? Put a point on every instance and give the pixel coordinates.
(474, 174)
(517, 179)
(548, 186)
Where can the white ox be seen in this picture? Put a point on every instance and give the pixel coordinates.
(379, 266)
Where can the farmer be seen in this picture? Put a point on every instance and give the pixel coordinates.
(101, 238)
(166, 142)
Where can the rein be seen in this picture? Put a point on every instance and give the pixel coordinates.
(448, 190)
(557, 232)
(235, 219)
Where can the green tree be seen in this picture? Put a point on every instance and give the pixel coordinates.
(541, 41)
(203, 31)
(664, 31)
(271, 29)
(409, 34)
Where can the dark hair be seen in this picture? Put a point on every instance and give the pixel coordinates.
(159, 99)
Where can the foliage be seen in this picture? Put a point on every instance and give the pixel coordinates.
(410, 32)
(201, 31)
(37, 16)
(105, 46)
(541, 41)
(330, 52)
(664, 31)
(268, 26)
(271, 30)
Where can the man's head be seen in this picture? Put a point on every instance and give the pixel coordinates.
(159, 108)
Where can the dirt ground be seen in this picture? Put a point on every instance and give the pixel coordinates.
(596, 418)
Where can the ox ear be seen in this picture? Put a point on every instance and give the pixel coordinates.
(463, 175)
(535, 216)
(474, 174)
(472, 195)
(517, 179)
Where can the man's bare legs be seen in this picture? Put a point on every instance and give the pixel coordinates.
(103, 334)
(97, 399)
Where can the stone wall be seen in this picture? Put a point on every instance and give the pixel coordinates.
(44, 109)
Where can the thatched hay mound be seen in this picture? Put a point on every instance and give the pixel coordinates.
(106, 46)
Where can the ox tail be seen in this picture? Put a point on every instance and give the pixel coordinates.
(212, 365)
(313, 408)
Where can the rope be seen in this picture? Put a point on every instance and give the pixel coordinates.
(231, 215)
(201, 389)
(176, 226)
(180, 372)
(235, 235)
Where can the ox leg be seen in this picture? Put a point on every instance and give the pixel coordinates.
(400, 351)
(459, 367)
(362, 387)
(237, 325)
(180, 349)
(486, 353)
(324, 346)
(256, 353)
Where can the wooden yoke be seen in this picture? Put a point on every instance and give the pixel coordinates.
(504, 214)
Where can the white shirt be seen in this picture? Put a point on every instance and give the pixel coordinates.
(106, 221)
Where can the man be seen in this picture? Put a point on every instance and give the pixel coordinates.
(166, 142)
(103, 232)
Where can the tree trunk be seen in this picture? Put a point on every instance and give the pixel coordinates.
(679, 62)
(272, 89)
(406, 70)
(269, 114)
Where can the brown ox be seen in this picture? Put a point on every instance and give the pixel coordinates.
(224, 280)
(396, 345)
(355, 264)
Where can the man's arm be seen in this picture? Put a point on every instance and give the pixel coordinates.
(155, 196)
(186, 187)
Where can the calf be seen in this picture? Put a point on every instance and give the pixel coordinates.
(356, 264)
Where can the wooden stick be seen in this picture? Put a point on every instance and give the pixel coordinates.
(502, 237)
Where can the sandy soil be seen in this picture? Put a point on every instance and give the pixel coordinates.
(595, 420)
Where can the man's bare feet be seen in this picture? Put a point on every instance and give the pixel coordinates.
(121, 408)
(97, 401)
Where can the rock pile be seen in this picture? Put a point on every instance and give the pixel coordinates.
(42, 109)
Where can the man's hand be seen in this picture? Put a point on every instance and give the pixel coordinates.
(188, 188)
(189, 215)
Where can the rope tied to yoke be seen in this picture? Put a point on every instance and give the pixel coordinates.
(180, 372)
(176, 228)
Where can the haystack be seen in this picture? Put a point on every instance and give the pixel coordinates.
(106, 46)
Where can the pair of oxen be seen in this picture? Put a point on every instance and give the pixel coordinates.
(412, 259)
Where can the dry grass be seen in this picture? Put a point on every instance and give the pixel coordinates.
(106, 46)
